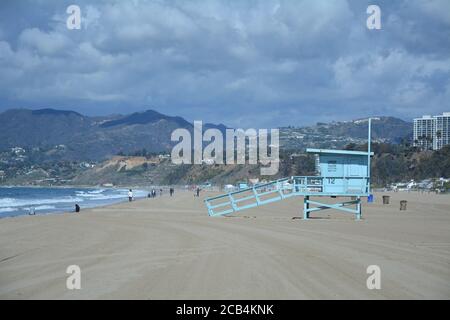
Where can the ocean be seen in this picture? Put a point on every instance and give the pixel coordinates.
(16, 201)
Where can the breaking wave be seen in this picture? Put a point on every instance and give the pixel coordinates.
(13, 202)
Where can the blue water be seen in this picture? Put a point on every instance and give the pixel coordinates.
(15, 201)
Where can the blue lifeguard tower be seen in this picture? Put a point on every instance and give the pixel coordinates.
(341, 173)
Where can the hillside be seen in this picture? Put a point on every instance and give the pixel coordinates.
(391, 163)
(65, 147)
(394, 164)
(339, 134)
(86, 138)
(82, 138)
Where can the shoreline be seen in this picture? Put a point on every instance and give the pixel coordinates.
(87, 202)
(87, 209)
(70, 187)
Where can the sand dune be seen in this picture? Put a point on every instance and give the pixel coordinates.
(168, 248)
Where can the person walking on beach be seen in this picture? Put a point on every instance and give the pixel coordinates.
(171, 191)
(197, 192)
(160, 192)
(153, 193)
(130, 195)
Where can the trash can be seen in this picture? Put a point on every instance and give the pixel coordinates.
(370, 198)
(386, 199)
(403, 205)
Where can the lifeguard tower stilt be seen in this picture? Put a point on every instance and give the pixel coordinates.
(341, 173)
(338, 206)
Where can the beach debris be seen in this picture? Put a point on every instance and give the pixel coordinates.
(403, 205)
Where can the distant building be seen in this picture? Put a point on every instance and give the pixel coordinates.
(432, 132)
(442, 131)
(86, 165)
(18, 150)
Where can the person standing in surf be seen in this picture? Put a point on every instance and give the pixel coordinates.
(130, 195)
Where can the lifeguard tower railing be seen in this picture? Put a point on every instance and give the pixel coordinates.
(280, 189)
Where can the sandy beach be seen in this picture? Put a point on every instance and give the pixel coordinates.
(168, 248)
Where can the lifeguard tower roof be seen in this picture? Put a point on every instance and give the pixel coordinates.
(332, 151)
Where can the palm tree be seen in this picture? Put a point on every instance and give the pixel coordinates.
(421, 140)
(430, 142)
(438, 138)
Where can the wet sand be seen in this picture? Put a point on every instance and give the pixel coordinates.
(168, 248)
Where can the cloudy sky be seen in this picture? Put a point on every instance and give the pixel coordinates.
(248, 63)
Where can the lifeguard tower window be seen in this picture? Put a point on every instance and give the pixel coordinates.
(332, 166)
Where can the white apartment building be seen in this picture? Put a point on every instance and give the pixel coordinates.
(442, 131)
(432, 132)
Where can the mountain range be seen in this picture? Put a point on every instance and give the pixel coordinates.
(98, 138)
(90, 138)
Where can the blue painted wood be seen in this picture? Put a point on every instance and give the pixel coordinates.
(221, 213)
(336, 206)
(288, 187)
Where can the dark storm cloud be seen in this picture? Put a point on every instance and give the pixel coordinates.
(248, 63)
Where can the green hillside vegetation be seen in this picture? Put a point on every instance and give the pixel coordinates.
(396, 163)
